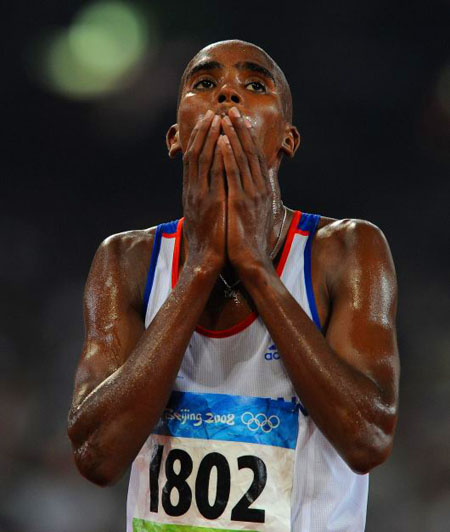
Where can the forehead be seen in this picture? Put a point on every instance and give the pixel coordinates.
(231, 54)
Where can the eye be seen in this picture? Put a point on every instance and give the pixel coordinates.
(204, 84)
(256, 86)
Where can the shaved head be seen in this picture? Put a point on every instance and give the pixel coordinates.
(280, 78)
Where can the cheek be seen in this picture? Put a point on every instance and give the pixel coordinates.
(184, 134)
(186, 125)
(189, 113)
(268, 130)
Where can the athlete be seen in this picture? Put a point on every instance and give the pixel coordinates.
(242, 359)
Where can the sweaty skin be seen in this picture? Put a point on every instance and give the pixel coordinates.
(233, 128)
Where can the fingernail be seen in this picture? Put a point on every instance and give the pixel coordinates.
(234, 111)
(226, 139)
(228, 121)
(209, 114)
(216, 120)
(247, 122)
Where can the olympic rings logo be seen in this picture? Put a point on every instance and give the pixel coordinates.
(260, 421)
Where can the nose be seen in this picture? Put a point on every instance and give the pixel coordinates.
(228, 94)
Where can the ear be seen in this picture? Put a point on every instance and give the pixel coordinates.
(173, 141)
(291, 141)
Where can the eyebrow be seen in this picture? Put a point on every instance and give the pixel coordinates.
(206, 65)
(254, 67)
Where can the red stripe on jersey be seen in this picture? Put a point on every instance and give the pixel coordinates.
(228, 332)
(176, 253)
(288, 243)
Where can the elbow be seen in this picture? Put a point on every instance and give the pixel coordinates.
(365, 458)
(93, 467)
(97, 456)
(101, 478)
(90, 460)
(96, 476)
(372, 448)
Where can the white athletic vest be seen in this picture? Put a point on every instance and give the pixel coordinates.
(232, 389)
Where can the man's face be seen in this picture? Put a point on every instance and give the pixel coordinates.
(234, 74)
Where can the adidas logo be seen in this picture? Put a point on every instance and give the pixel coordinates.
(272, 353)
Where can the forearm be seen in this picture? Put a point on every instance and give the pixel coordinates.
(344, 403)
(111, 424)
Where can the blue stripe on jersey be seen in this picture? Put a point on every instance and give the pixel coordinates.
(310, 224)
(168, 228)
(307, 222)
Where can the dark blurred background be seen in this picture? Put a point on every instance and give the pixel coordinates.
(88, 92)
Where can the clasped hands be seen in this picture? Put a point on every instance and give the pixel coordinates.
(227, 194)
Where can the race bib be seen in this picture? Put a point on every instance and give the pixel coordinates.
(218, 462)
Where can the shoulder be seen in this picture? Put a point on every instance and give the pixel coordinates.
(128, 251)
(122, 261)
(348, 235)
(347, 245)
(127, 244)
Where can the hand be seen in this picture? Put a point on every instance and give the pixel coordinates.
(204, 198)
(250, 216)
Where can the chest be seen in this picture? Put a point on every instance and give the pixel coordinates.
(245, 362)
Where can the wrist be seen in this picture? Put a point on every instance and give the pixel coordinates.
(251, 271)
(206, 266)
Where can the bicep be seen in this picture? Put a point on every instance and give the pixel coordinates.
(113, 324)
(364, 301)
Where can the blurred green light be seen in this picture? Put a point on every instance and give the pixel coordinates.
(108, 36)
(68, 76)
(106, 40)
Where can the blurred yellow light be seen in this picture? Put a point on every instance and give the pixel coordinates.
(104, 42)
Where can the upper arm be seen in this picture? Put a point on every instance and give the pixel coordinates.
(112, 312)
(363, 290)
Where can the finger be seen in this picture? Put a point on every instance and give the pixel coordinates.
(231, 167)
(191, 154)
(205, 158)
(193, 134)
(208, 116)
(186, 158)
(256, 158)
(244, 131)
(217, 185)
(239, 154)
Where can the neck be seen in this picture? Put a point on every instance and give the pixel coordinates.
(277, 204)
